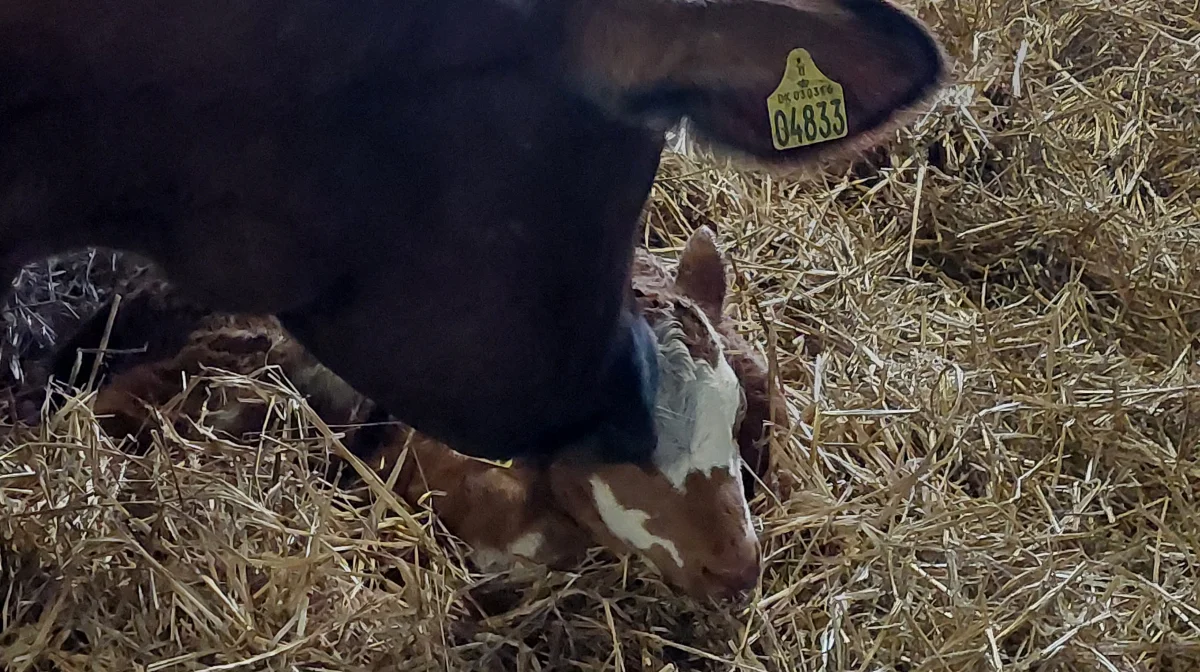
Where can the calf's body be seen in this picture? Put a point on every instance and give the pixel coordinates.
(438, 199)
(687, 511)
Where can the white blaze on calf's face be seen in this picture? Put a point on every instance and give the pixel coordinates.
(697, 411)
(697, 408)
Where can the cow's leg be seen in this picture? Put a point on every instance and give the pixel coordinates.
(123, 404)
(151, 322)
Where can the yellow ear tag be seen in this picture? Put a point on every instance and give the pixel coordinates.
(807, 107)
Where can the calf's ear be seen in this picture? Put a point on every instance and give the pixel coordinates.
(701, 273)
(784, 81)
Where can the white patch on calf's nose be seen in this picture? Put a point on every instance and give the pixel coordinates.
(628, 525)
(697, 410)
(751, 533)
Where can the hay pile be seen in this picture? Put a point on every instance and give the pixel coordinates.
(990, 328)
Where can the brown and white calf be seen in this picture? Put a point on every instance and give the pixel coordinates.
(437, 198)
(686, 511)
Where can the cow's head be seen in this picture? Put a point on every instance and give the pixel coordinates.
(782, 81)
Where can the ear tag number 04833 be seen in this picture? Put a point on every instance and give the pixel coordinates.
(807, 107)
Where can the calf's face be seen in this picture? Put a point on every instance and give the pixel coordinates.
(687, 511)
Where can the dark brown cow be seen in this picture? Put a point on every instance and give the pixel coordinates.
(438, 198)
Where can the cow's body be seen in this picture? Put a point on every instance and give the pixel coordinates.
(438, 198)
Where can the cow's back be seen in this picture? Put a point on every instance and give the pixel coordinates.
(439, 223)
(200, 132)
(521, 206)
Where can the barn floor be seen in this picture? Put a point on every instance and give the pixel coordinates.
(990, 331)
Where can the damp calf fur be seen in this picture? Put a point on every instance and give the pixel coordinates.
(686, 510)
(438, 199)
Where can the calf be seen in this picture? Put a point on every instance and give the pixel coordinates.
(686, 512)
(438, 199)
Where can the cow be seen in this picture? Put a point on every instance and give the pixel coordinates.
(437, 198)
(687, 513)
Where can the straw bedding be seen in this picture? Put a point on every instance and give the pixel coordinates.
(988, 328)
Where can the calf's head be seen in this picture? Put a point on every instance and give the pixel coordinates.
(687, 511)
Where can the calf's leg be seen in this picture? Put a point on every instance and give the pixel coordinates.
(500, 512)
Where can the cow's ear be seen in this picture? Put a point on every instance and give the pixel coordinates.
(784, 81)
